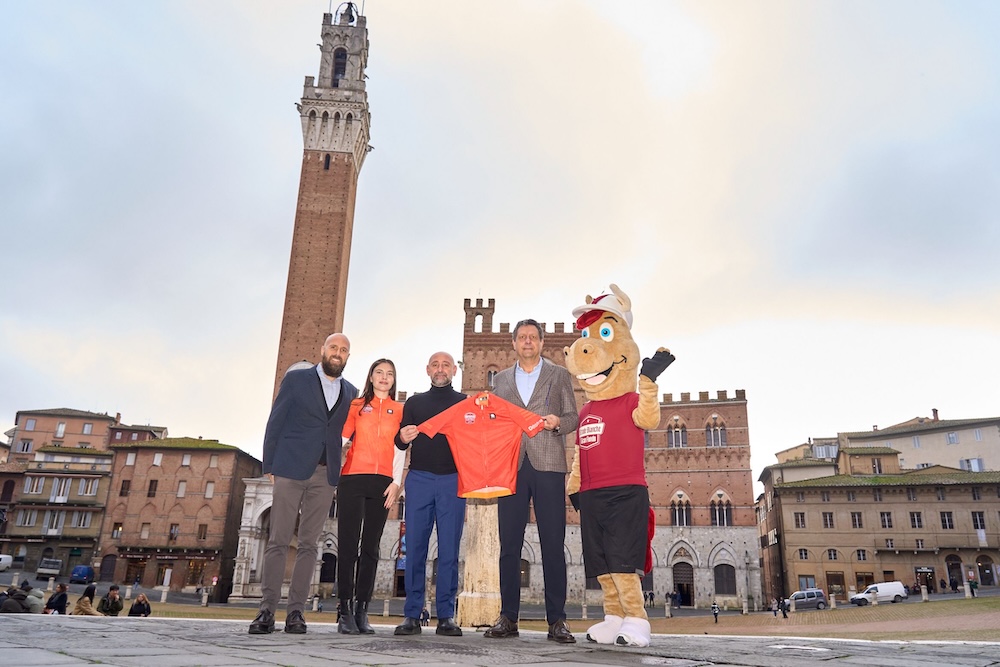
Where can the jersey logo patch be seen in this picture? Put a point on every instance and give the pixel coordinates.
(590, 431)
(470, 417)
(366, 410)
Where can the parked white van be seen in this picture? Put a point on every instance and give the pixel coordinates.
(887, 591)
(6, 560)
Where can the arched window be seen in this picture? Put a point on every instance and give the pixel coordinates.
(680, 512)
(725, 580)
(525, 574)
(677, 435)
(491, 379)
(326, 162)
(722, 513)
(715, 433)
(339, 65)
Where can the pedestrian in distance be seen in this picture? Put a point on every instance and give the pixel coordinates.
(715, 610)
(111, 604)
(302, 455)
(784, 608)
(369, 486)
(425, 617)
(85, 605)
(140, 607)
(774, 606)
(58, 600)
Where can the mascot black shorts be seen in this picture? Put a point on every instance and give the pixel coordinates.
(613, 529)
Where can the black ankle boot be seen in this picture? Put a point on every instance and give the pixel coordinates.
(347, 625)
(361, 617)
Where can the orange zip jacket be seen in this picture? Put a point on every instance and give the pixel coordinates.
(372, 433)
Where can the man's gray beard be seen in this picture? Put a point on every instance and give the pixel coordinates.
(441, 383)
(331, 370)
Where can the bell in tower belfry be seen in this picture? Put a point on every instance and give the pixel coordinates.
(335, 135)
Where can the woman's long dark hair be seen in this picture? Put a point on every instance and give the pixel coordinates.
(369, 392)
(89, 592)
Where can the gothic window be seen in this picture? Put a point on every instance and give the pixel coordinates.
(722, 513)
(677, 435)
(326, 162)
(491, 378)
(715, 433)
(339, 66)
(681, 513)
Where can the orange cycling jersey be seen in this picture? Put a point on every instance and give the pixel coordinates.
(484, 433)
(372, 432)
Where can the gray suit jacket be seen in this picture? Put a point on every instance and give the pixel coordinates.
(553, 395)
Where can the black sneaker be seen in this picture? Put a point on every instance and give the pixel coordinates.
(409, 626)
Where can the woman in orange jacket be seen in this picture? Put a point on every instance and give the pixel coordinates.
(369, 485)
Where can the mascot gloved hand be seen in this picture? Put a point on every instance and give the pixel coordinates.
(609, 462)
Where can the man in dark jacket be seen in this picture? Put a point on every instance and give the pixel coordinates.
(111, 604)
(302, 447)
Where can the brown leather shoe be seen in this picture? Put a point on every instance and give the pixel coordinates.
(559, 632)
(502, 629)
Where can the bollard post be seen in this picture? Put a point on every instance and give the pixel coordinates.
(52, 584)
(204, 597)
(385, 607)
(128, 592)
(315, 603)
(923, 594)
(667, 613)
(163, 595)
(968, 589)
(13, 583)
(875, 598)
(792, 605)
(833, 602)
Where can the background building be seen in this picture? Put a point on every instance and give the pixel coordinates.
(60, 427)
(842, 524)
(173, 514)
(58, 510)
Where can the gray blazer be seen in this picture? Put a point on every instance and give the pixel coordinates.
(553, 395)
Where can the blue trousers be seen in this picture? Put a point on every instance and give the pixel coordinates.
(432, 500)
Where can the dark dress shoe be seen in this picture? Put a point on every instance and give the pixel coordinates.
(448, 628)
(409, 626)
(263, 624)
(502, 629)
(294, 623)
(346, 624)
(361, 618)
(559, 632)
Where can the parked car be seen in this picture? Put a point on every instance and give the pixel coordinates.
(48, 567)
(81, 574)
(6, 560)
(887, 591)
(810, 598)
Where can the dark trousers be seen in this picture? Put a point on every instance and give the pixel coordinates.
(361, 515)
(432, 500)
(547, 491)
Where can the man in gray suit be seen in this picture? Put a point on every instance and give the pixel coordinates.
(302, 444)
(546, 389)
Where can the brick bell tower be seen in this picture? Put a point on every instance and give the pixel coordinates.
(335, 134)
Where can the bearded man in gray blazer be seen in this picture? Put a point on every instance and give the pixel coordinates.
(302, 446)
(546, 389)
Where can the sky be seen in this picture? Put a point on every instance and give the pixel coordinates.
(800, 198)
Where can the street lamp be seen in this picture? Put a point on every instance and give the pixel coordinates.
(746, 561)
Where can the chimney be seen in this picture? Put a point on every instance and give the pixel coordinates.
(934, 412)
(118, 418)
